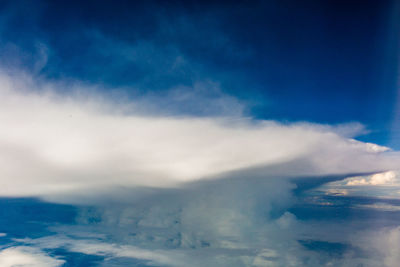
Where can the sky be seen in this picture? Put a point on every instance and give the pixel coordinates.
(199, 133)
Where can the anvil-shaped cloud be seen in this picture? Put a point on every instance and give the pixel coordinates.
(161, 185)
(53, 144)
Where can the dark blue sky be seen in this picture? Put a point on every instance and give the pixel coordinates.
(320, 61)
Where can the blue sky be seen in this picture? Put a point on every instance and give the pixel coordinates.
(322, 62)
(215, 133)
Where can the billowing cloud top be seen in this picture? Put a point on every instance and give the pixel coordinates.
(50, 144)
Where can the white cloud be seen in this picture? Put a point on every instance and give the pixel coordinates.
(383, 178)
(178, 257)
(227, 222)
(382, 246)
(23, 256)
(232, 222)
(53, 144)
(215, 189)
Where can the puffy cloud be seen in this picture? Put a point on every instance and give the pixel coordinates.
(27, 257)
(384, 178)
(222, 222)
(379, 185)
(226, 222)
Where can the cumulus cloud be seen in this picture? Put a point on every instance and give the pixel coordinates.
(211, 187)
(382, 184)
(223, 222)
(291, 255)
(384, 178)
